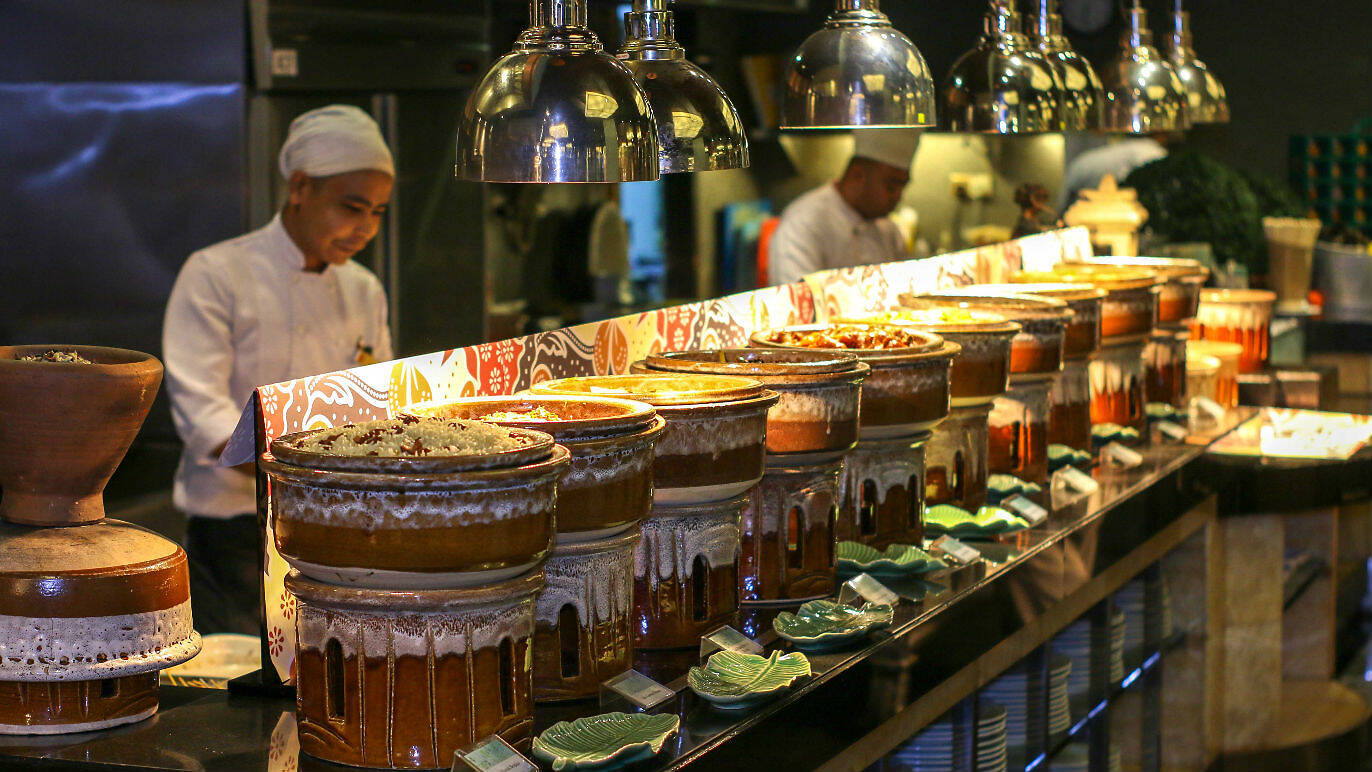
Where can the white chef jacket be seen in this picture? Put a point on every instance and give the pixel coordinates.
(245, 313)
(820, 230)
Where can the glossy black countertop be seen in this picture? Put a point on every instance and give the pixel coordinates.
(946, 626)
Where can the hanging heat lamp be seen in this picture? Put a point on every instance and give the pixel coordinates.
(1004, 85)
(858, 71)
(1142, 92)
(557, 109)
(1206, 100)
(698, 129)
(1081, 89)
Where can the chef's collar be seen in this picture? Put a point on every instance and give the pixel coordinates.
(285, 252)
(854, 218)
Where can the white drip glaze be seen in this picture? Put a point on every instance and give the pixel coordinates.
(782, 490)
(963, 430)
(711, 434)
(378, 635)
(888, 465)
(829, 404)
(1026, 402)
(671, 543)
(599, 585)
(1118, 368)
(1072, 386)
(84, 648)
(1234, 316)
(586, 471)
(409, 509)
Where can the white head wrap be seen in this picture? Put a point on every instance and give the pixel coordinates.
(893, 147)
(334, 140)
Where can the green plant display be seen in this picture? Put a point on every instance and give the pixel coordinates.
(1192, 197)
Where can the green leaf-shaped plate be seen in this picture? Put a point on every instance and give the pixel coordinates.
(896, 560)
(1064, 455)
(961, 524)
(1104, 434)
(734, 680)
(825, 624)
(1162, 411)
(1002, 486)
(610, 738)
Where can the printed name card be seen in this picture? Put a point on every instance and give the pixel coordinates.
(727, 638)
(1074, 479)
(492, 754)
(1171, 431)
(955, 549)
(865, 587)
(1209, 407)
(1120, 456)
(637, 688)
(1026, 509)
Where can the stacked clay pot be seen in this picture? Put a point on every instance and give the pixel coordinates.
(788, 525)
(907, 394)
(90, 608)
(1238, 316)
(706, 462)
(584, 615)
(417, 545)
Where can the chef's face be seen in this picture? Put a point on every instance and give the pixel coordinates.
(879, 188)
(337, 216)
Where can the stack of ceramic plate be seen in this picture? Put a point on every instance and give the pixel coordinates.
(1115, 763)
(1116, 646)
(1059, 709)
(991, 750)
(1081, 644)
(1075, 757)
(1130, 599)
(929, 751)
(1165, 606)
(1011, 691)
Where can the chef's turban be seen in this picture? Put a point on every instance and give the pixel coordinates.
(334, 140)
(893, 147)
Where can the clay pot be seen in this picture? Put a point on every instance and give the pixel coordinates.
(955, 459)
(1069, 419)
(1130, 307)
(686, 573)
(788, 532)
(88, 615)
(1179, 297)
(1118, 386)
(415, 531)
(1164, 360)
(65, 427)
(882, 492)
(1226, 387)
(1082, 335)
(713, 444)
(609, 484)
(1038, 346)
(907, 391)
(819, 391)
(403, 679)
(1018, 431)
(583, 628)
(1237, 316)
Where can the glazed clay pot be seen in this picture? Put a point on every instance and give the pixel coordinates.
(686, 573)
(583, 620)
(432, 530)
(1237, 316)
(1226, 391)
(65, 427)
(1179, 296)
(1069, 420)
(819, 391)
(788, 532)
(713, 444)
(1018, 431)
(1130, 307)
(955, 459)
(1164, 361)
(908, 389)
(402, 679)
(1038, 346)
(1118, 386)
(88, 615)
(608, 485)
(882, 492)
(1082, 335)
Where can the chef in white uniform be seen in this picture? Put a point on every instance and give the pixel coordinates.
(282, 302)
(845, 222)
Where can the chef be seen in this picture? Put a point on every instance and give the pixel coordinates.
(845, 222)
(282, 302)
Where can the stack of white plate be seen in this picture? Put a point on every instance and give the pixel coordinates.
(1165, 601)
(1075, 757)
(1131, 600)
(929, 751)
(1114, 764)
(1117, 625)
(1011, 691)
(1080, 644)
(991, 750)
(1059, 709)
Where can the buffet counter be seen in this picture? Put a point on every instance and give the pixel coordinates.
(954, 631)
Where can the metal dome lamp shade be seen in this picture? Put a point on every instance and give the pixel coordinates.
(557, 109)
(858, 71)
(1142, 92)
(1004, 85)
(698, 129)
(1206, 100)
(1081, 91)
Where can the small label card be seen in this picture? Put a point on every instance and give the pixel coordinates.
(1214, 410)
(492, 754)
(1119, 455)
(727, 638)
(870, 590)
(1171, 431)
(1074, 479)
(1026, 509)
(955, 549)
(637, 688)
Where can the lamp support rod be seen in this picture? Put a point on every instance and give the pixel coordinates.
(557, 13)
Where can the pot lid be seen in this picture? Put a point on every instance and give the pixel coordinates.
(752, 362)
(1068, 292)
(1016, 307)
(562, 417)
(1110, 278)
(1171, 268)
(656, 389)
(412, 445)
(1256, 297)
(944, 320)
(908, 344)
(1201, 364)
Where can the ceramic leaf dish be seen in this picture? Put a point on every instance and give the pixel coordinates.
(1162, 411)
(1002, 486)
(610, 738)
(961, 524)
(1060, 456)
(1104, 434)
(734, 680)
(895, 560)
(824, 624)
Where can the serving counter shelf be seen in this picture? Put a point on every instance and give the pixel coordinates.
(954, 631)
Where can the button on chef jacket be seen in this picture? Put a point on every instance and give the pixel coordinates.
(820, 230)
(245, 313)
